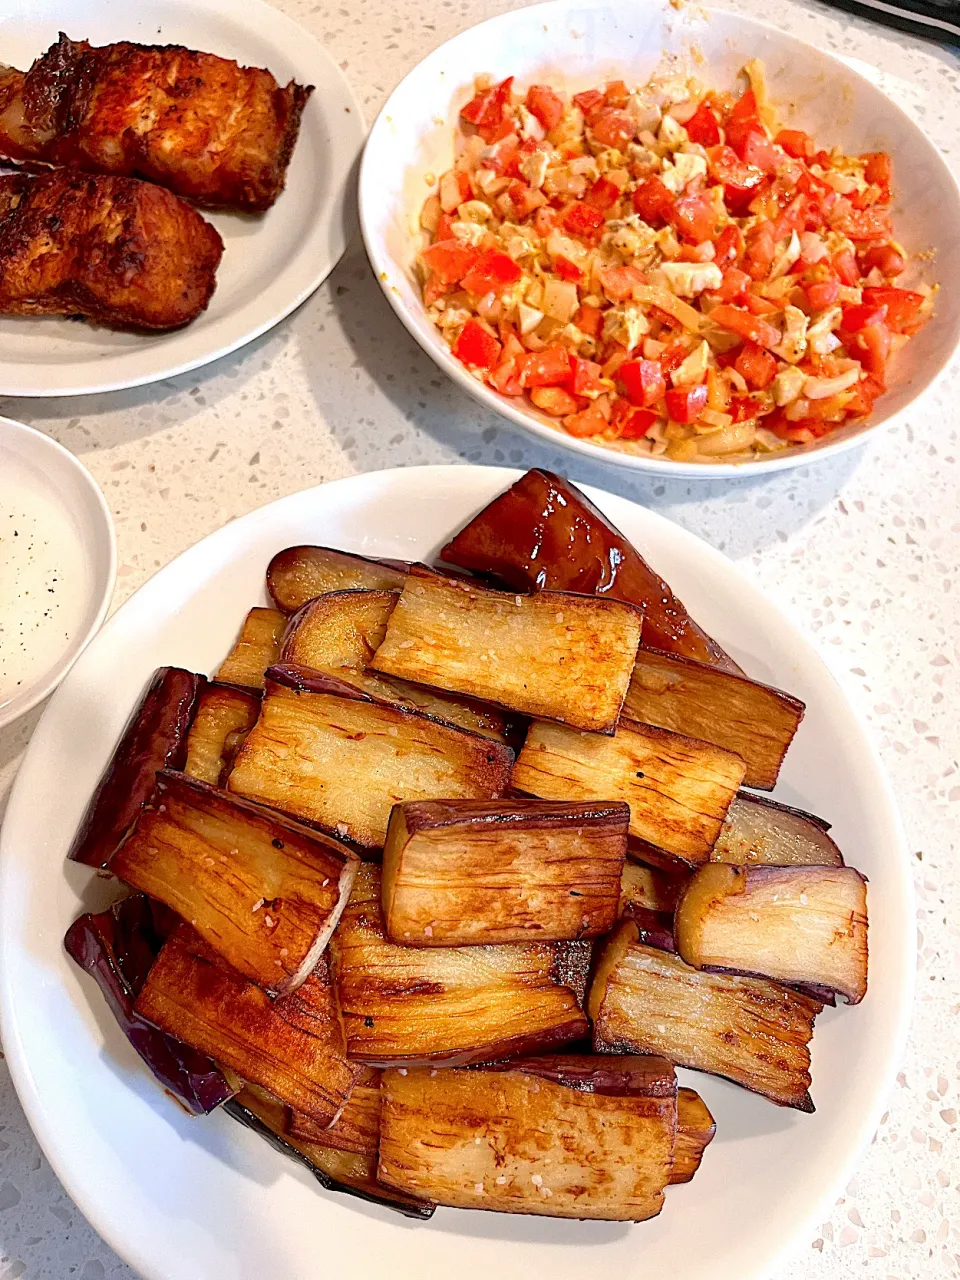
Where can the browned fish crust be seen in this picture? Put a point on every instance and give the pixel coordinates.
(123, 253)
(210, 130)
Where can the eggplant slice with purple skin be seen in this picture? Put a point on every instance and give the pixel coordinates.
(761, 832)
(340, 759)
(678, 789)
(335, 1170)
(572, 1136)
(155, 738)
(555, 655)
(645, 999)
(224, 717)
(804, 925)
(257, 647)
(293, 1047)
(469, 872)
(117, 948)
(298, 574)
(450, 1006)
(265, 892)
(700, 700)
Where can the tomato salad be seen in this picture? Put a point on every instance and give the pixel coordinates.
(664, 270)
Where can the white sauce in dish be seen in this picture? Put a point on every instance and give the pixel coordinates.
(44, 579)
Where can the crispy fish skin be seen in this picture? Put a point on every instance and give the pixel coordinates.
(208, 129)
(123, 253)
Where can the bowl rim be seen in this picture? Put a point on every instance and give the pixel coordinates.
(38, 444)
(370, 202)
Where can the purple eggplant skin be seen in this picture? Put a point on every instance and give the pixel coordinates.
(117, 948)
(250, 1121)
(616, 1076)
(656, 927)
(155, 738)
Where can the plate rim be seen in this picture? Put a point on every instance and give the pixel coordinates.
(84, 1194)
(80, 377)
(804, 455)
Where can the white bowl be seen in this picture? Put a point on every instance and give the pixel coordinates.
(582, 44)
(58, 563)
(181, 1198)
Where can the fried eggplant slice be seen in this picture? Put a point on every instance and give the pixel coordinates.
(155, 738)
(696, 1129)
(257, 647)
(544, 534)
(761, 832)
(409, 1005)
(554, 655)
(703, 701)
(299, 574)
(224, 717)
(124, 254)
(349, 1172)
(752, 1031)
(338, 633)
(356, 1129)
(678, 789)
(263, 891)
(564, 1137)
(465, 872)
(792, 924)
(648, 888)
(340, 759)
(214, 132)
(293, 1047)
(117, 948)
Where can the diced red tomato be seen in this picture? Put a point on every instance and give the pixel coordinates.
(486, 108)
(674, 354)
(685, 404)
(585, 377)
(703, 252)
(859, 315)
(861, 224)
(554, 400)
(728, 244)
(864, 394)
(618, 283)
(603, 195)
(823, 293)
(434, 289)
(761, 251)
(493, 271)
(630, 423)
(524, 199)
(590, 102)
(740, 181)
(871, 346)
(584, 221)
(743, 408)
(759, 306)
(878, 169)
(501, 157)
(505, 378)
(476, 346)
(755, 149)
(703, 127)
(757, 367)
(902, 305)
(653, 201)
(695, 217)
(589, 422)
(885, 258)
(616, 93)
(745, 108)
(795, 143)
(444, 228)
(643, 381)
(566, 269)
(845, 265)
(589, 320)
(613, 127)
(547, 368)
(449, 260)
(734, 285)
(546, 105)
(746, 325)
(793, 218)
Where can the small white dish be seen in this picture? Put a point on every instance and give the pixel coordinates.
(578, 44)
(183, 1198)
(271, 263)
(58, 563)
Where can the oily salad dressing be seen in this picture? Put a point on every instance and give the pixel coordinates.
(666, 270)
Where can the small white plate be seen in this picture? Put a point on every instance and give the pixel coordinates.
(181, 1198)
(578, 44)
(58, 563)
(271, 263)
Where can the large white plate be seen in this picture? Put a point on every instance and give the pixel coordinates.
(271, 263)
(188, 1199)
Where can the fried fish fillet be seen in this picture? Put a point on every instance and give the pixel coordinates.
(121, 252)
(210, 130)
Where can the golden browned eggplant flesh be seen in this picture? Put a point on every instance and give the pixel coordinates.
(567, 860)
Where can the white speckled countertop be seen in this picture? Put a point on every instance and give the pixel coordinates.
(864, 552)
